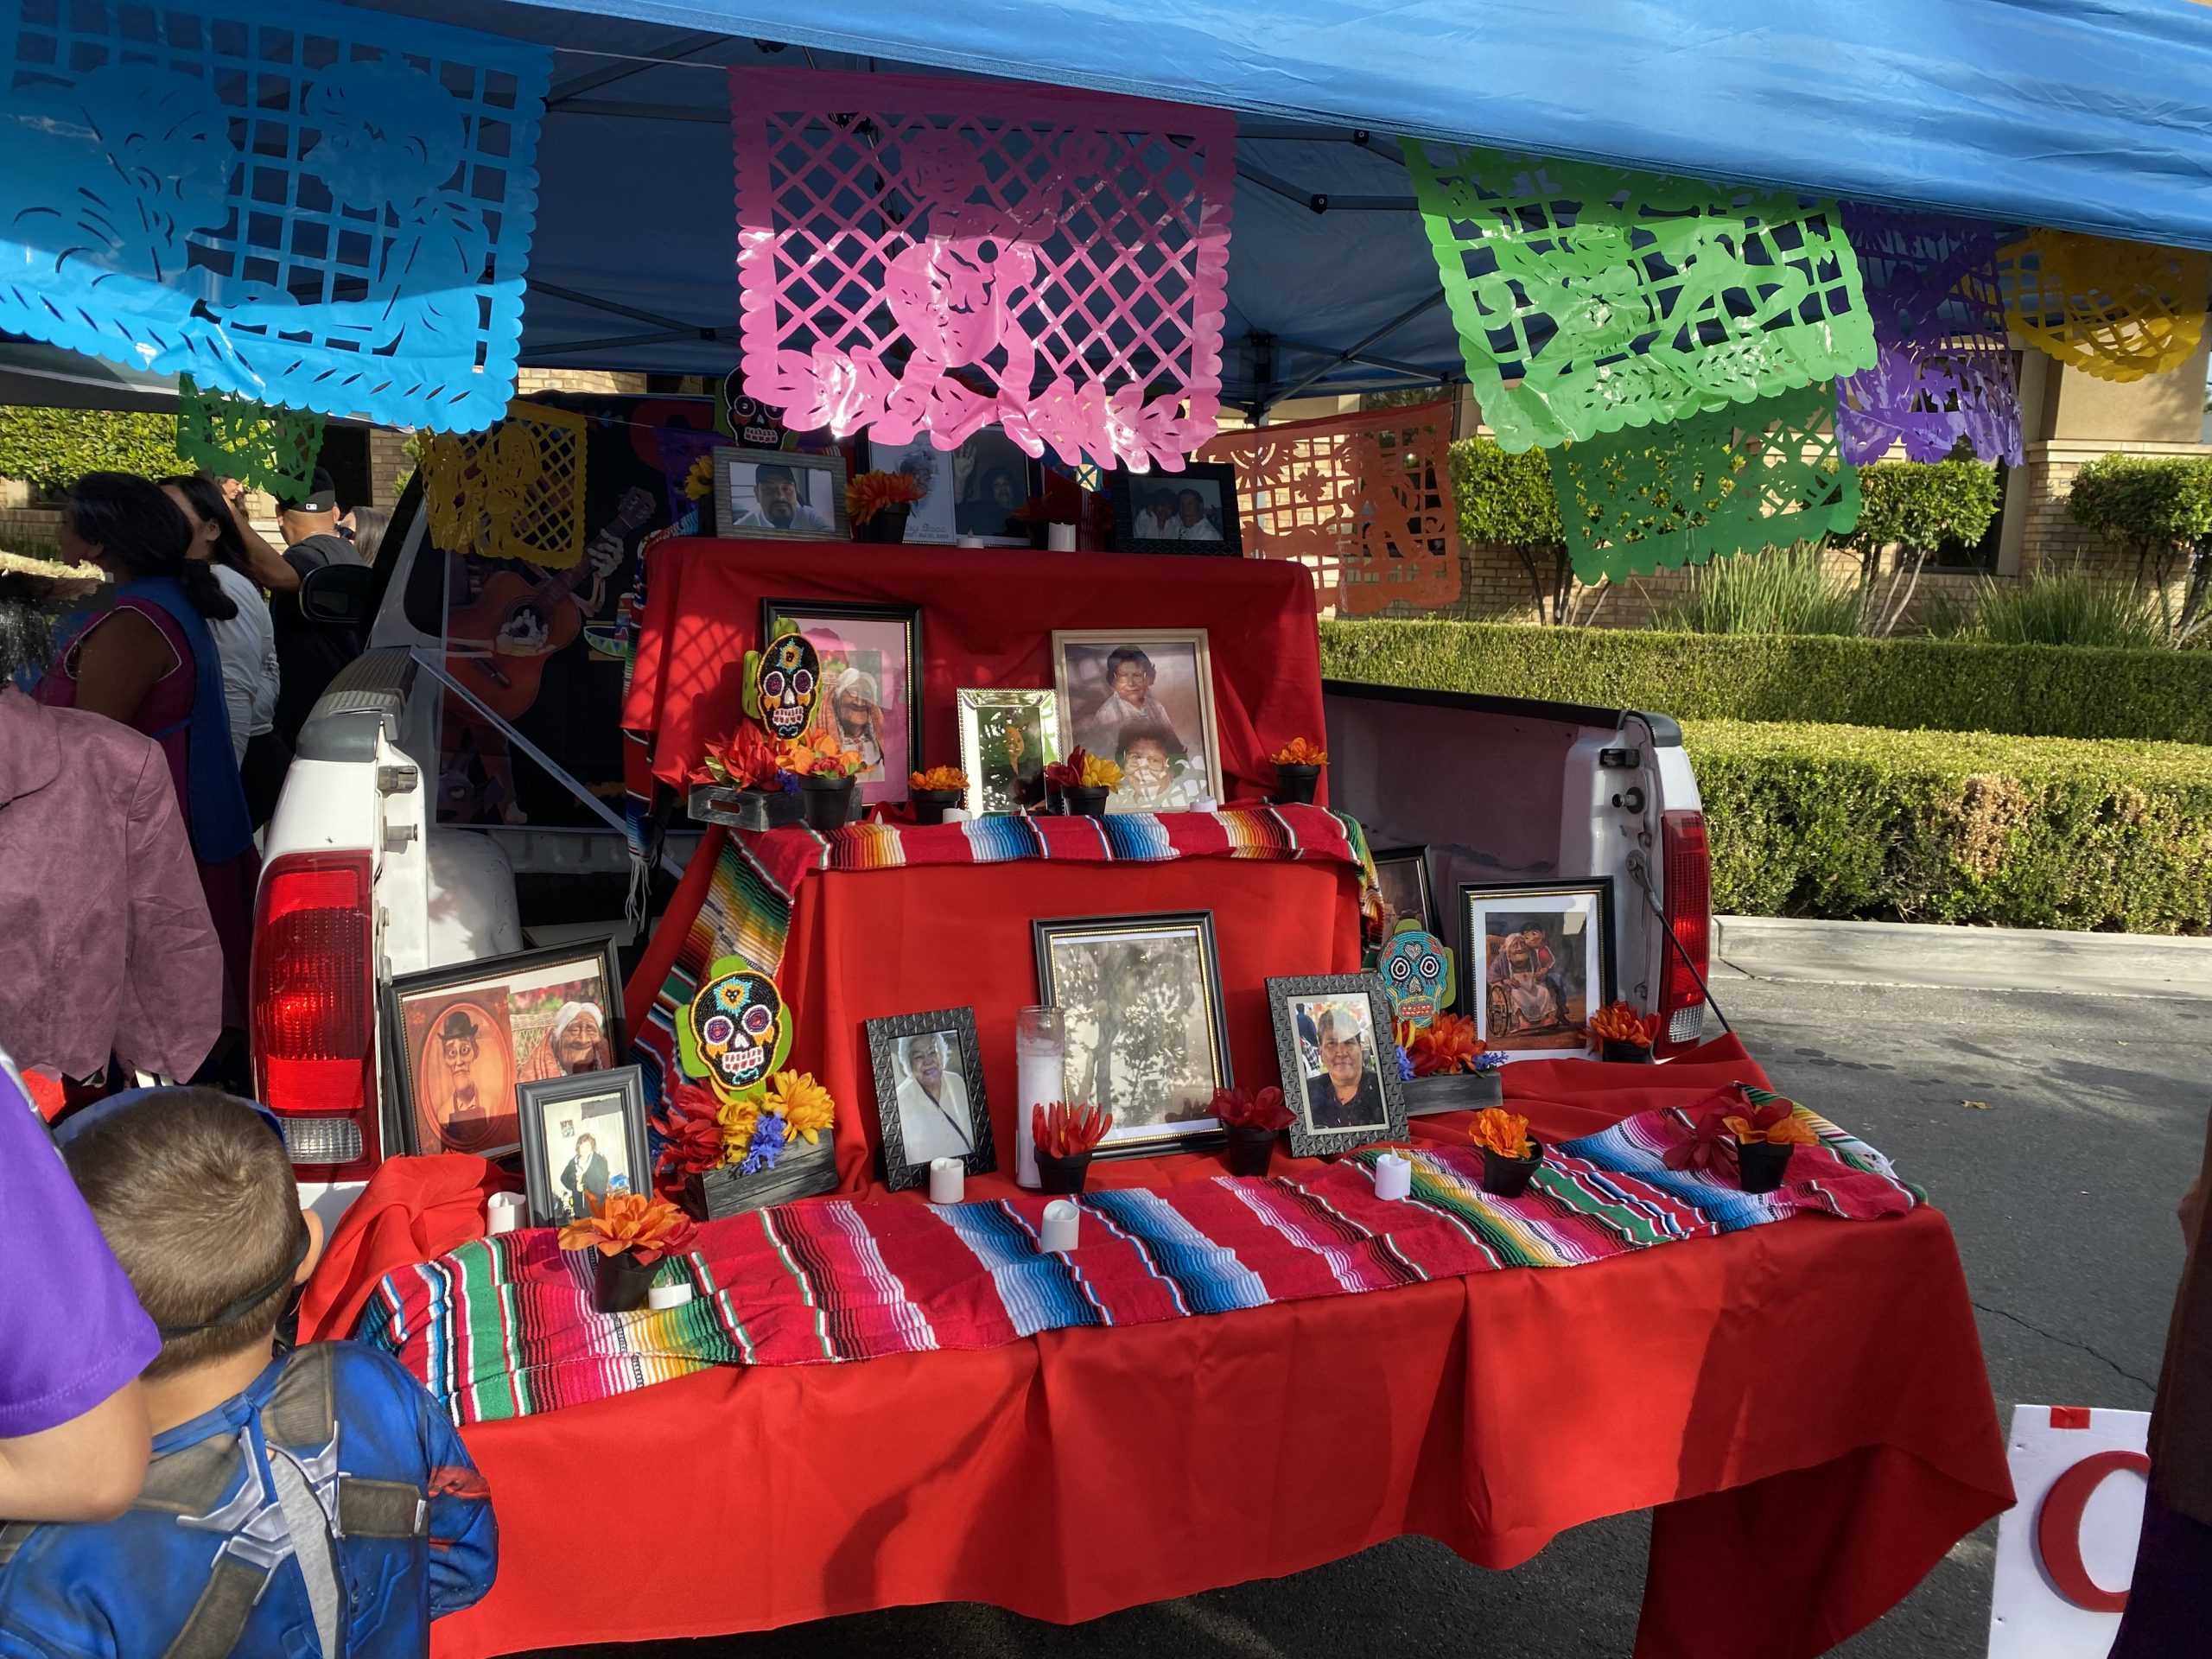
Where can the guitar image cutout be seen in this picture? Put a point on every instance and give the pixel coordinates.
(498, 646)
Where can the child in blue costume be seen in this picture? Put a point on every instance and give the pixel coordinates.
(312, 1503)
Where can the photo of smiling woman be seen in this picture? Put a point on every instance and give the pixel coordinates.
(1338, 1063)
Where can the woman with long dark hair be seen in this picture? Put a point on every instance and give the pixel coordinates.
(146, 659)
(247, 641)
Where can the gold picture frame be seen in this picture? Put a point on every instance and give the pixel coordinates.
(1174, 667)
(989, 716)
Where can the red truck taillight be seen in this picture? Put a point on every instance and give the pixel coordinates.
(313, 1013)
(1686, 859)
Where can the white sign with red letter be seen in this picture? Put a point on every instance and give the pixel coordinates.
(2066, 1550)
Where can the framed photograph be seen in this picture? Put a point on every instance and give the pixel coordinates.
(1007, 737)
(1190, 511)
(464, 1039)
(929, 1094)
(1142, 999)
(1143, 697)
(582, 1137)
(992, 481)
(1402, 875)
(795, 496)
(1339, 1062)
(871, 677)
(1535, 962)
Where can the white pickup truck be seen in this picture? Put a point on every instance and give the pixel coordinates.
(359, 882)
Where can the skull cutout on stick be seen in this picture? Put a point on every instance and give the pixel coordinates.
(787, 680)
(1416, 970)
(736, 1031)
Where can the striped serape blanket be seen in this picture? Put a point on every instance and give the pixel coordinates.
(503, 1326)
(746, 909)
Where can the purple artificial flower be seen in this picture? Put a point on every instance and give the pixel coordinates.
(1405, 1067)
(1488, 1061)
(767, 1146)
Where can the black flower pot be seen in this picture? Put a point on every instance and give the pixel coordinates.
(1296, 783)
(1055, 802)
(1508, 1177)
(1251, 1150)
(619, 1284)
(929, 804)
(1761, 1165)
(1626, 1053)
(889, 524)
(1063, 1175)
(829, 802)
(1084, 800)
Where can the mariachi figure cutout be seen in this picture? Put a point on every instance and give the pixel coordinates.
(1416, 970)
(736, 1031)
(786, 680)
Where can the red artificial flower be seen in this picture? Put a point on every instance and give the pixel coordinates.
(1063, 1131)
(1240, 1109)
(693, 1135)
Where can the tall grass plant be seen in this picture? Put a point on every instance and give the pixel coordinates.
(1777, 590)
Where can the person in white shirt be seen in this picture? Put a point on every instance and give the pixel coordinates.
(777, 505)
(1158, 521)
(247, 642)
(933, 1120)
(1191, 523)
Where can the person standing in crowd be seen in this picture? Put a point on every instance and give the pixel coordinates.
(106, 945)
(2169, 1604)
(73, 1432)
(147, 660)
(364, 528)
(308, 654)
(246, 642)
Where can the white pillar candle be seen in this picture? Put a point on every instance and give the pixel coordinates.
(1063, 1218)
(1060, 539)
(948, 1180)
(667, 1296)
(503, 1212)
(1394, 1176)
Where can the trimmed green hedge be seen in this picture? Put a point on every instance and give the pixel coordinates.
(1840, 821)
(52, 449)
(1906, 685)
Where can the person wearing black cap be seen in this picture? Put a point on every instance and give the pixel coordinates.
(308, 654)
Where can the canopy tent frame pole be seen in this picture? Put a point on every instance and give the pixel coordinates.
(1352, 353)
(676, 52)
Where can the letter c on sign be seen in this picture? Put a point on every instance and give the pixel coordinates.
(2058, 1528)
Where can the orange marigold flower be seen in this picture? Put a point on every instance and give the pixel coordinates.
(1299, 752)
(1502, 1132)
(647, 1229)
(1446, 1048)
(937, 778)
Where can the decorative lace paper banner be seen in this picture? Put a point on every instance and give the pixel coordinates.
(1944, 370)
(516, 491)
(271, 449)
(1726, 481)
(919, 255)
(2118, 310)
(1590, 298)
(306, 203)
(1364, 500)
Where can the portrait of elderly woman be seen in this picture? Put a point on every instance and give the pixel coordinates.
(929, 1094)
(576, 1043)
(870, 658)
(1116, 686)
(1539, 962)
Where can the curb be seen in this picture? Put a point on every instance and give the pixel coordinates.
(1939, 957)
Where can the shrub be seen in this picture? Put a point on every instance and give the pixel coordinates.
(1507, 501)
(51, 449)
(1780, 590)
(1924, 509)
(2159, 507)
(1840, 820)
(2067, 607)
(1908, 684)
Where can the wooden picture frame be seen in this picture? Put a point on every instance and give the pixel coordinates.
(1084, 663)
(908, 1146)
(1199, 1048)
(1139, 528)
(1396, 860)
(1300, 1007)
(737, 475)
(1541, 1007)
(986, 713)
(547, 1160)
(812, 619)
(489, 1059)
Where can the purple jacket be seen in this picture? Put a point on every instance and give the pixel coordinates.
(104, 940)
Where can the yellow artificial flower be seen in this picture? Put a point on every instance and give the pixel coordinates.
(804, 1104)
(738, 1118)
(1101, 774)
(699, 482)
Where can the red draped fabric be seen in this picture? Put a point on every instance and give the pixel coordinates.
(988, 615)
(1805, 1405)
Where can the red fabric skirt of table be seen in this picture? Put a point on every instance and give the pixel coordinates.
(1805, 1406)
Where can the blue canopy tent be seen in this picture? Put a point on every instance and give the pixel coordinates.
(2089, 116)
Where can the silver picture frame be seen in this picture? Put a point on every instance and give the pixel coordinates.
(736, 478)
(1304, 1074)
(986, 713)
(903, 1164)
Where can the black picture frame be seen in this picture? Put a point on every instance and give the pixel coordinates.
(1123, 487)
(909, 617)
(405, 1121)
(535, 1099)
(1474, 971)
(1417, 857)
(1284, 995)
(1178, 1135)
(901, 1170)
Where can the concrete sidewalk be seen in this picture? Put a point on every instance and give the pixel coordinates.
(1787, 949)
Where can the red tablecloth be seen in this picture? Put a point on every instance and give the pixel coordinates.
(987, 619)
(1805, 1403)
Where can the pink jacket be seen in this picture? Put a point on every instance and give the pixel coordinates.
(105, 939)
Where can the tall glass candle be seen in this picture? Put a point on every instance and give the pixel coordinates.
(1040, 1054)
